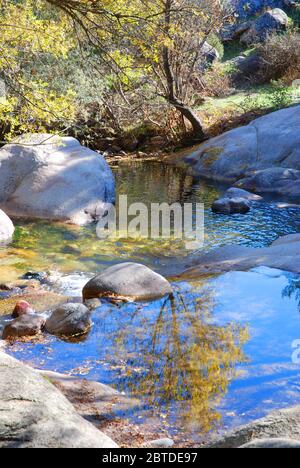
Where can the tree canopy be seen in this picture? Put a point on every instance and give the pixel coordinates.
(137, 54)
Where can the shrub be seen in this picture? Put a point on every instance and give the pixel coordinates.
(281, 58)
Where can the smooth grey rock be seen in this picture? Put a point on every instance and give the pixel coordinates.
(159, 443)
(273, 180)
(286, 240)
(209, 54)
(54, 178)
(34, 414)
(278, 424)
(266, 24)
(235, 192)
(231, 206)
(69, 320)
(7, 228)
(263, 156)
(92, 304)
(272, 444)
(248, 66)
(127, 281)
(25, 325)
(285, 255)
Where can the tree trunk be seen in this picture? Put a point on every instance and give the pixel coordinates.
(171, 95)
(192, 117)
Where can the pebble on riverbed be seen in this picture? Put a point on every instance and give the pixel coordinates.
(22, 308)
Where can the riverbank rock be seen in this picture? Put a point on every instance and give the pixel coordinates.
(231, 206)
(273, 180)
(278, 424)
(263, 156)
(25, 325)
(127, 281)
(34, 414)
(272, 444)
(209, 55)
(7, 228)
(264, 25)
(69, 320)
(235, 192)
(282, 255)
(48, 177)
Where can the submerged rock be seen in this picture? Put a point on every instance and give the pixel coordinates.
(7, 228)
(69, 320)
(231, 206)
(37, 415)
(48, 177)
(127, 281)
(25, 325)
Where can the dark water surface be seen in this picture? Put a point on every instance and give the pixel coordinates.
(218, 354)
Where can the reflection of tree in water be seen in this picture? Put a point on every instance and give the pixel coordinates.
(293, 290)
(176, 355)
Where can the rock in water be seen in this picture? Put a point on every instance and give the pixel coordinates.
(235, 192)
(34, 414)
(6, 226)
(25, 325)
(231, 206)
(127, 281)
(69, 320)
(54, 178)
(22, 308)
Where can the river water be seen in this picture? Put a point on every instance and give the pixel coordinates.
(217, 355)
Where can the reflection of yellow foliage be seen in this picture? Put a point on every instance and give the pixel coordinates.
(185, 358)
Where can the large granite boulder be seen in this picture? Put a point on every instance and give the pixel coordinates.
(245, 8)
(54, 178)
(284, 255)
(34, 414)
(127, 281)
(6, 228)
(262, 27)
(263, 156)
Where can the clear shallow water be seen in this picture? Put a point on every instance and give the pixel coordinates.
(218, 355)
